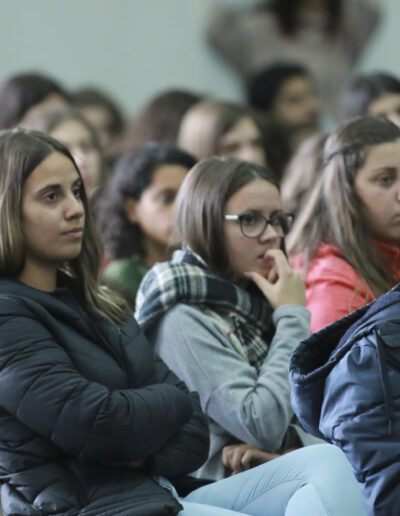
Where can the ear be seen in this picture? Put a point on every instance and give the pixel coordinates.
(130, 206)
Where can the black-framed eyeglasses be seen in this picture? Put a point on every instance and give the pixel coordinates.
(253, 224)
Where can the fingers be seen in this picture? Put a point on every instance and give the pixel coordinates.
(226, 455)
(272, 275)
(281, 262)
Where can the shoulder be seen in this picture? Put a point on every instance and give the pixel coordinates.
(13, 305)
(328, 264)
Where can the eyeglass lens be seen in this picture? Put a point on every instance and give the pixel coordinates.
(254, 224)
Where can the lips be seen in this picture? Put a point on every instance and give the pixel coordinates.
(76, 232)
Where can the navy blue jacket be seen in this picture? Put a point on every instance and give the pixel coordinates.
(77, 394)
(346, 389)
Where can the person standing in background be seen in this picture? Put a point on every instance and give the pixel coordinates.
(326, 36)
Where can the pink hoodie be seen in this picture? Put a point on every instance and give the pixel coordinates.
(333, 288)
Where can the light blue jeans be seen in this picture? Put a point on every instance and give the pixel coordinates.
(313, 481)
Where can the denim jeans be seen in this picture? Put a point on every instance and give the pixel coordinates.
(313, 481)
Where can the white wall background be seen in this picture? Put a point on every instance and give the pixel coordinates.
(135, 48)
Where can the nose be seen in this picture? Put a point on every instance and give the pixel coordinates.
(270, 233)
(74, 208)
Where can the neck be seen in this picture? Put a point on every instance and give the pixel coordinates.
(154, 252)
(39, 276)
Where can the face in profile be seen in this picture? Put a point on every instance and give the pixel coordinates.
(387, 105)
(377, 185)
(53, 215)
(243, 141)
(296, 104)
(259, 197)
(79, 140)
(153, 211)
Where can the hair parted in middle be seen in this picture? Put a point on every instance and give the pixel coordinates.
(200, 205)
(21, 151)
(333, 211)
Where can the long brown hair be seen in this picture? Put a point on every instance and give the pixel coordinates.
(333, 211)
(21, 151)
(200, 205)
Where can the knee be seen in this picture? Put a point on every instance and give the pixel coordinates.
(323, 461)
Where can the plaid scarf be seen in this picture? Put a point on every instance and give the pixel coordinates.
(186, 279)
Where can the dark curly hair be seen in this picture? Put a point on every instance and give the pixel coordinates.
(133, 173)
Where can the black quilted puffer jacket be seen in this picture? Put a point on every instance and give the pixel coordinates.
(81, 398)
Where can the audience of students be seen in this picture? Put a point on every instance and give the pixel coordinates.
(135, 213)
(92, 420)
(347, 237)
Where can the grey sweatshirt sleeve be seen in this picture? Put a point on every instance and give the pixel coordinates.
(255, 408)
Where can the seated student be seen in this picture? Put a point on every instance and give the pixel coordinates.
(91, 420)
(135, 213)
(347, 238)
(232, 340)
(376, 94)
(286, 93)
(26, 93)
(160, 118)
(217, 128)
(102, 112)
(73, 130)
(346, 389)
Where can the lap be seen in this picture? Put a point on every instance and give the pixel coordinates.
(272, 485)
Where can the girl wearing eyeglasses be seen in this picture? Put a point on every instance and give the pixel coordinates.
(226, 314)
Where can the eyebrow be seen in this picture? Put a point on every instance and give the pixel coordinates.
(57, 186)
(385, 169)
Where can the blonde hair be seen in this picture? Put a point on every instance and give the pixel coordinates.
(21, 151)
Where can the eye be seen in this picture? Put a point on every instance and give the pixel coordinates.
(77, 191)
(250, 219)
(282, 221)
(50, 196)
(167, 197)
(386, 180)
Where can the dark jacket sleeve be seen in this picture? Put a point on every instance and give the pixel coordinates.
(42, 388)
(361, 414)
(187, 450)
